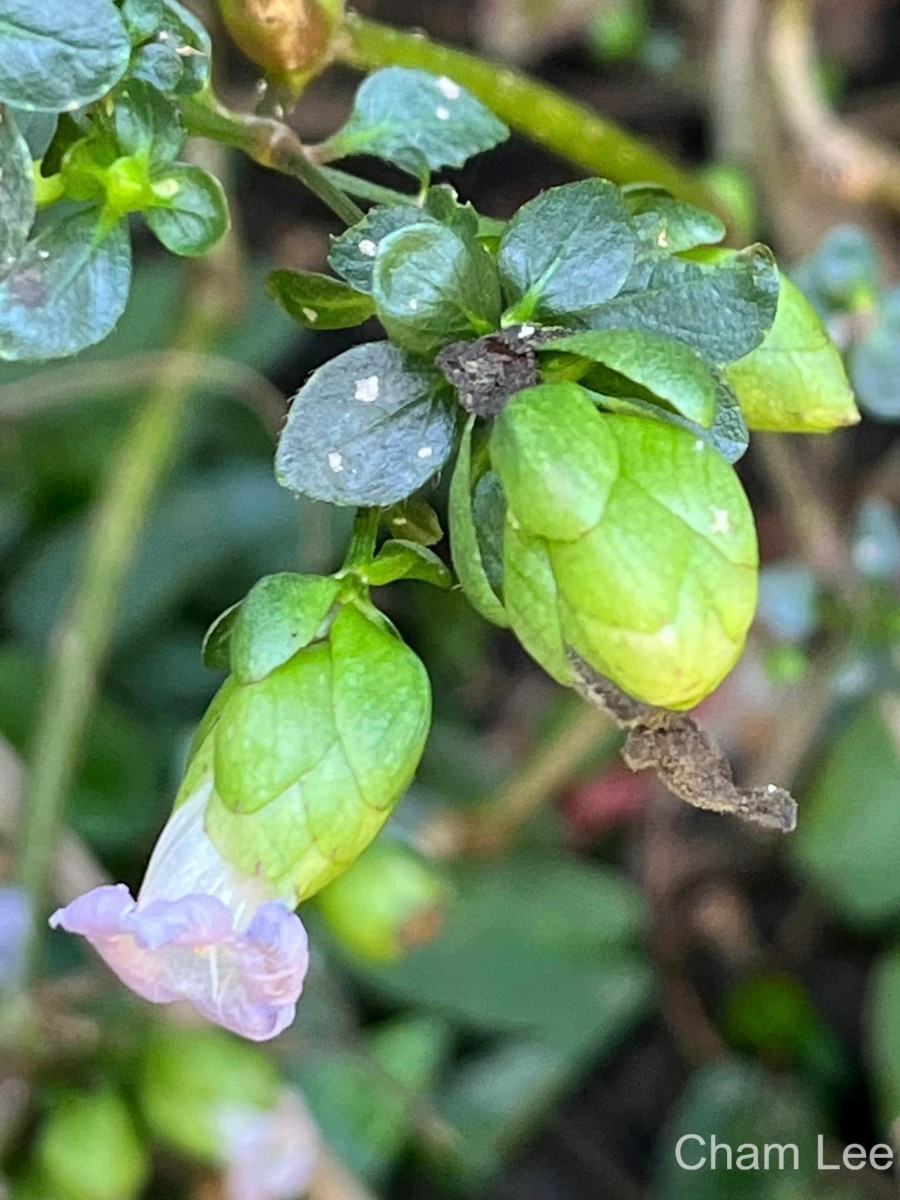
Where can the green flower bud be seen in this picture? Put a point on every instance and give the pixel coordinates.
(307, 758)
(388, 902)
(188, 1076)
(289, 39)
(627, 540)
(88, 1149)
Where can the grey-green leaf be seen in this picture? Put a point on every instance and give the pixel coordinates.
(192, 211)
(723, 310)
(57, 57)
(568, 250)
(368, 428)
(418, 121)
(67, 290)
(319, 301)
(667, 368)
(353, 253)
(16, 191)
(431, 287)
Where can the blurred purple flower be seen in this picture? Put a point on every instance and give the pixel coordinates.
(268, 1155)
(15, 922)
(199, 931)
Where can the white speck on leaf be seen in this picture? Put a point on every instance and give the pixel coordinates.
(336, 461)
(425, 452)
(663, 238)
(699, 446)
(721, 520)
(367, 389)
(368, 248)
(399, 521)
(43, 253)
(526, 331)
(413, 304)
(448, 88)
(442, 114)
(310, 314)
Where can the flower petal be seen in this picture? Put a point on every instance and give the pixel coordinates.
(190, 949)
(269, 1155)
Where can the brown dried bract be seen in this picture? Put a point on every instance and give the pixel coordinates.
(684, 756)
(487, 372)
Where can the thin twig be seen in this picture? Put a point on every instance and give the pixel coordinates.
(58, 385)
(554, 765)
(858, 168)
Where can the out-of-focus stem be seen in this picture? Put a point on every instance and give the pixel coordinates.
(81, 639)
(540, 112)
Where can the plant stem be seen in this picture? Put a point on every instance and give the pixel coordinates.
(542, 113)
(585, 733)
(362, 540)
(268, 142)
(362, 189)
(81, 639)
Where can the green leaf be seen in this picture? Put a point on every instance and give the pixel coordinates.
(400, 559)
(795, 381)
(364, 1098)
(147, 124)
(442, 203)
(882, 1030)
(216, 650)
(17, 205)
(728, 433)
(465, 545)
(189, 40)
(846, 840)
(579, 923)
(191, 212)
(142, 18)
(67, 290)
(626, 539)
(280, 615)
(353, 253)
(874, 361)
(319, 752)
(722, 310)
(56, 57)
(746, 1108)
(318, 301)
(413, 520)
(566, 251)
(368, 428)
(668, 369)
(843, 272)
(417, 121)
(670, 224)
(159, 64)
(430, 287)
(88, 1146)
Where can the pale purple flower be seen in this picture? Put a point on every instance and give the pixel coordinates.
(201, 931)
(15, 926)
(268, 1155)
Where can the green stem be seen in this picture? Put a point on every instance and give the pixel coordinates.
(362, 540)
(82, 637)
(362, 189)
(542, 113)
(269, 143)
